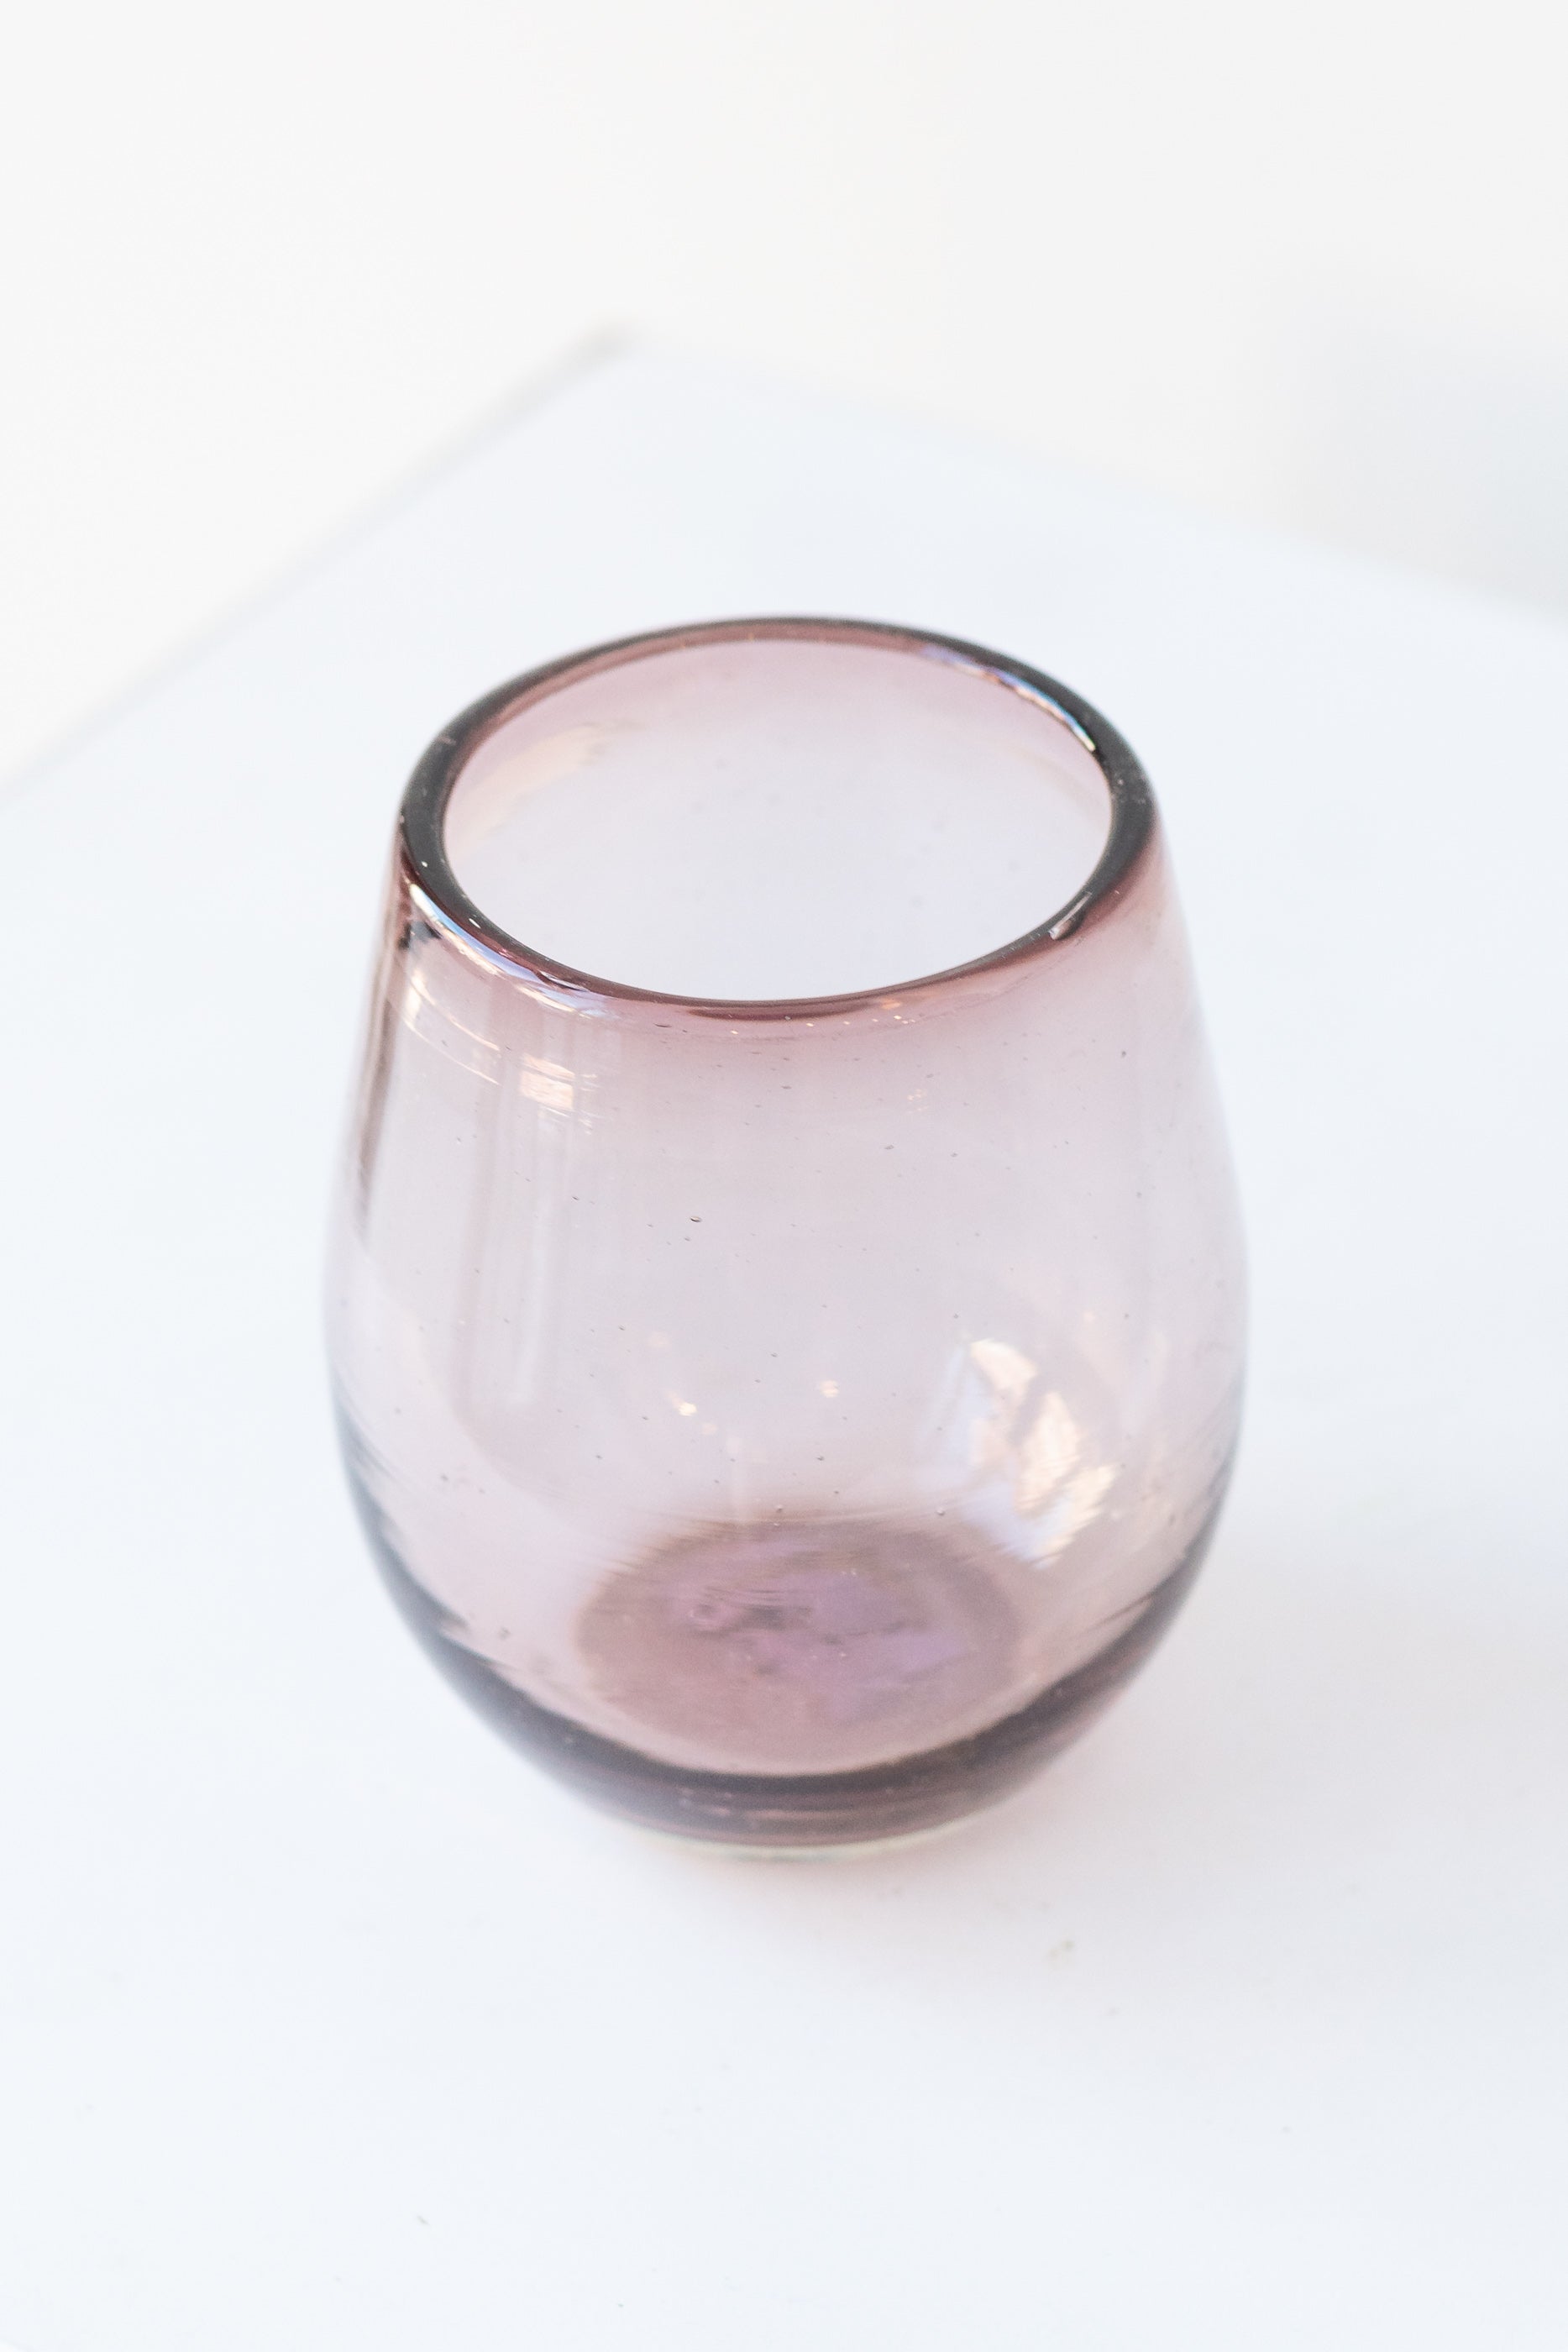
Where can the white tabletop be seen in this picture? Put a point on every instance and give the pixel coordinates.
(324, 2023)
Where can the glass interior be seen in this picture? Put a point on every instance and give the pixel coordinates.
(777, 817)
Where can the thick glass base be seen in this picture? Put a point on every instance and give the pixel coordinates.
(793, 1812)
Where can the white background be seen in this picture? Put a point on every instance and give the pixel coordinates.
(328, 2026)
(1302, 265)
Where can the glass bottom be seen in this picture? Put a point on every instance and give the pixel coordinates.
(773, 1664)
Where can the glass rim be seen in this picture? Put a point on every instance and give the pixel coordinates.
(429, 875)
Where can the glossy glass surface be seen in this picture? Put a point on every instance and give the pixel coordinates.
(787, 1318)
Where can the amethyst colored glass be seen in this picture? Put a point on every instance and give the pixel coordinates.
(789, 1380)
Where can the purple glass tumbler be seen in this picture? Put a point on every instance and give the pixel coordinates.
(785, 1318)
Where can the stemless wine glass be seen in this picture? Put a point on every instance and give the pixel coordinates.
(785, 1316)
